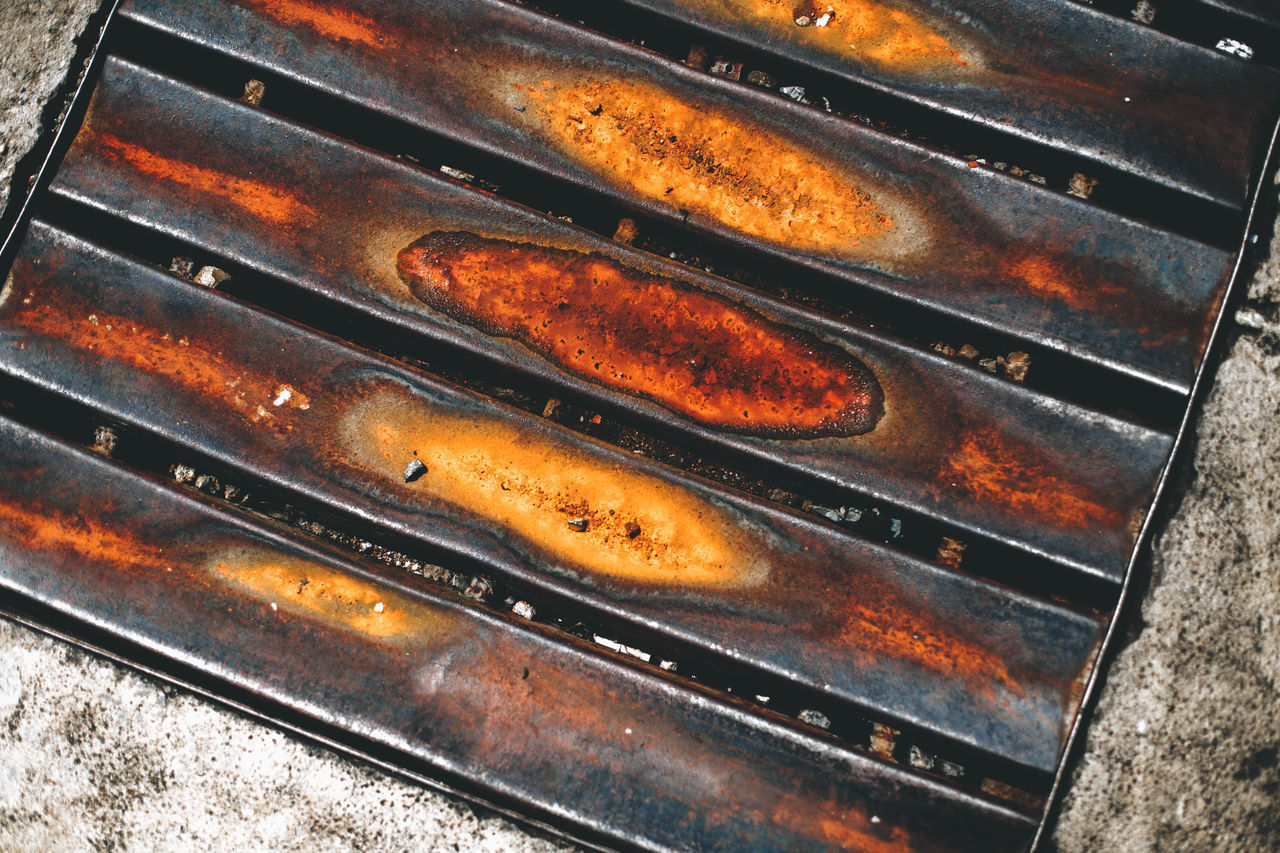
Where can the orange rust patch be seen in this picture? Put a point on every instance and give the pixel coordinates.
(269, 202)
(566, 503)
(992, 470)
(83, 535)
(696, 158)
(879, 623)
(315, 591)
(323, 18)
(640, 333)
(191, 364)
(855, 833)
(868, 30)
(1054, 279)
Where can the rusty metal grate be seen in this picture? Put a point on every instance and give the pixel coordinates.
(713, 451)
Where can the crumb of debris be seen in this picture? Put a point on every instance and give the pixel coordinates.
(815, 718)
(104, 440)
(951, 552)
(1081, 185)
(523, 609)
(253, 92)
(760, 78)
(726, 68)
(379, 607)
(942, 348)
(414, 470)
(479, 588)
(883, 739)
(633, 529)
(579, 524)
(456, 174)
(182, 473)
(210, 276)
(697, 57)
(549, 409)
(1144, 12)
(795, 93)
(967, 351)
(1016, 365)
(918, 758)
(182, 266)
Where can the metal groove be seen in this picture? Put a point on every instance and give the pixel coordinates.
(986, 456)
(559, 731)
(706, 566)
(913, 225)
(1033, 69)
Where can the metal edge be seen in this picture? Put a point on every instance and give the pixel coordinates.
(166, 672)
(1073, 748)
(54, 143)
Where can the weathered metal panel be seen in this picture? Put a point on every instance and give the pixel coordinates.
(691, 352)
(684, 559)
(749, 167)
(519, 717)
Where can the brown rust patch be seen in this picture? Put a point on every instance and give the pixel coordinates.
(332, 22)
(535, 490)
(870, 31)
(185, 362)
(274, 204)
(698, 158)
(644, 334)
(1022, 481)
(315, 591)
(46, 530)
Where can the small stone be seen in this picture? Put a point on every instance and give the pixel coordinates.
(211, 277)
(579, 524)
(633, 529)
(815, 718)
(415, 469)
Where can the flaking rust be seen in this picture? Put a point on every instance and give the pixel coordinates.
(693, 352)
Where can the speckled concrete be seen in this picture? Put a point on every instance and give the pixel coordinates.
(1181, 755)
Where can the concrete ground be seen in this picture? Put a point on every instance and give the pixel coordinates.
(1182, 753)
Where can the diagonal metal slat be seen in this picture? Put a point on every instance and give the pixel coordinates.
(687, 560)
(748, 167)
(1055, 72)
(515, 717)
(981, 453)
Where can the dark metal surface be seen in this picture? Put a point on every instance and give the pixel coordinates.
(940, 439)
(521, 717)
(1053, 71)
(750, 167)
(724, 573)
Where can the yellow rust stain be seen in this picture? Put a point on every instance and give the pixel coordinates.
(315, 591)
(275, 204)
(593, 516)
(327, 19)
(45, 530)
(187, 363)
(700, 159)
(993, 470)
(878, 33)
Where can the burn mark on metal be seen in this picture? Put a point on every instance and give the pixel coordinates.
(746, 166)
(980, 453)
(643, 334)
(723, 572)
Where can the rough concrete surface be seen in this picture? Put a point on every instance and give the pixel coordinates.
(1181, 754)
